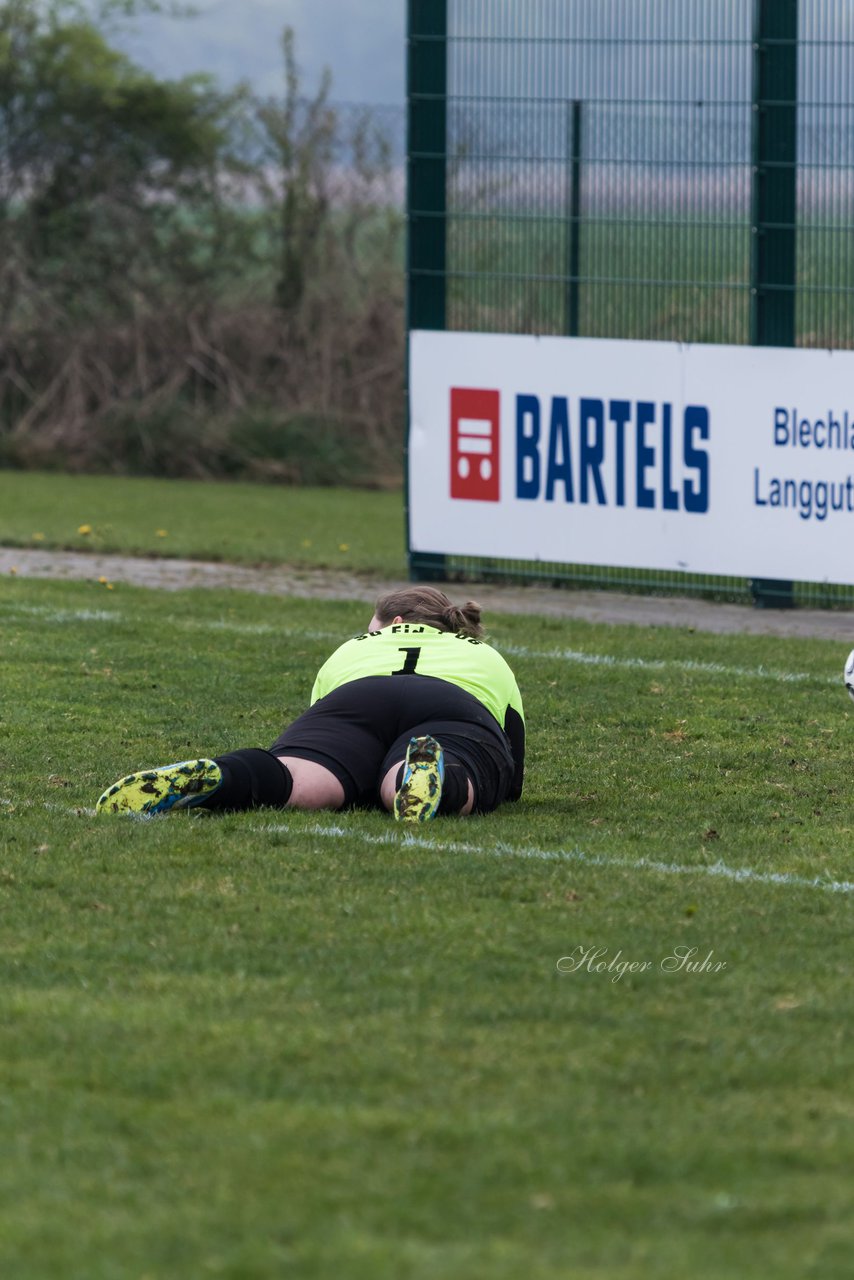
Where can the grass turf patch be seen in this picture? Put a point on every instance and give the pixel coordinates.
(291, 1042)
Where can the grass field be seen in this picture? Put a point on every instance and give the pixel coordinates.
(248, 523)
(279, 1044)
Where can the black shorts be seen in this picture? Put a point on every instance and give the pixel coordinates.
(362, 728)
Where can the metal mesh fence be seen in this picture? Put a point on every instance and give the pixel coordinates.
(611, 137)
(671, 170)
(825, 211)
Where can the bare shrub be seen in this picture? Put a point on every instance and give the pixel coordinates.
(229, 304)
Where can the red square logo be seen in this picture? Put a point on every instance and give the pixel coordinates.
(475, 461)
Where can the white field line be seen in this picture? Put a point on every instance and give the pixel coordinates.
(573, 656)
(664, 664)
(18, 612)
(720, 870)
(48, 614)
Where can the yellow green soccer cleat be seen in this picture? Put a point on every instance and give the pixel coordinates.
(173, 786)
(417, 799)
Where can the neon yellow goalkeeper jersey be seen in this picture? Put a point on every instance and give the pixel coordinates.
(412, 648)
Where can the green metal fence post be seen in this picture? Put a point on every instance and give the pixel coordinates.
(426, 202)
(427, 124)
(573, 229)
(772, 266)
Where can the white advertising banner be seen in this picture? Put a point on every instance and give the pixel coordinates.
(650, 455)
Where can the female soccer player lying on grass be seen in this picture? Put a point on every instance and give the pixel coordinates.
(418, 715)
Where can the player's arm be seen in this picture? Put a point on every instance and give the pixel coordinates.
(514, 717)
(321, 685)
(514, 727)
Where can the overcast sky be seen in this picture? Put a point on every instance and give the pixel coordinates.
(361, 41)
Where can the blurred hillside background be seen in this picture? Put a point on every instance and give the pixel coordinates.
(201, 268)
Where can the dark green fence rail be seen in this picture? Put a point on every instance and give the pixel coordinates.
(673, 170)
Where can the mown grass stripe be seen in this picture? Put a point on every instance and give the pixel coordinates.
(397, 837)
(578, 657)
(502, 849)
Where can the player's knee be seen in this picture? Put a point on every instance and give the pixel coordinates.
(313, 798)
(313, 786)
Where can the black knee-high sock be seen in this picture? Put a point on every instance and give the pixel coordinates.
(455, 788)
(250, 778)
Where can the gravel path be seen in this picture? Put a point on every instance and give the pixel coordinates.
(591, 606)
